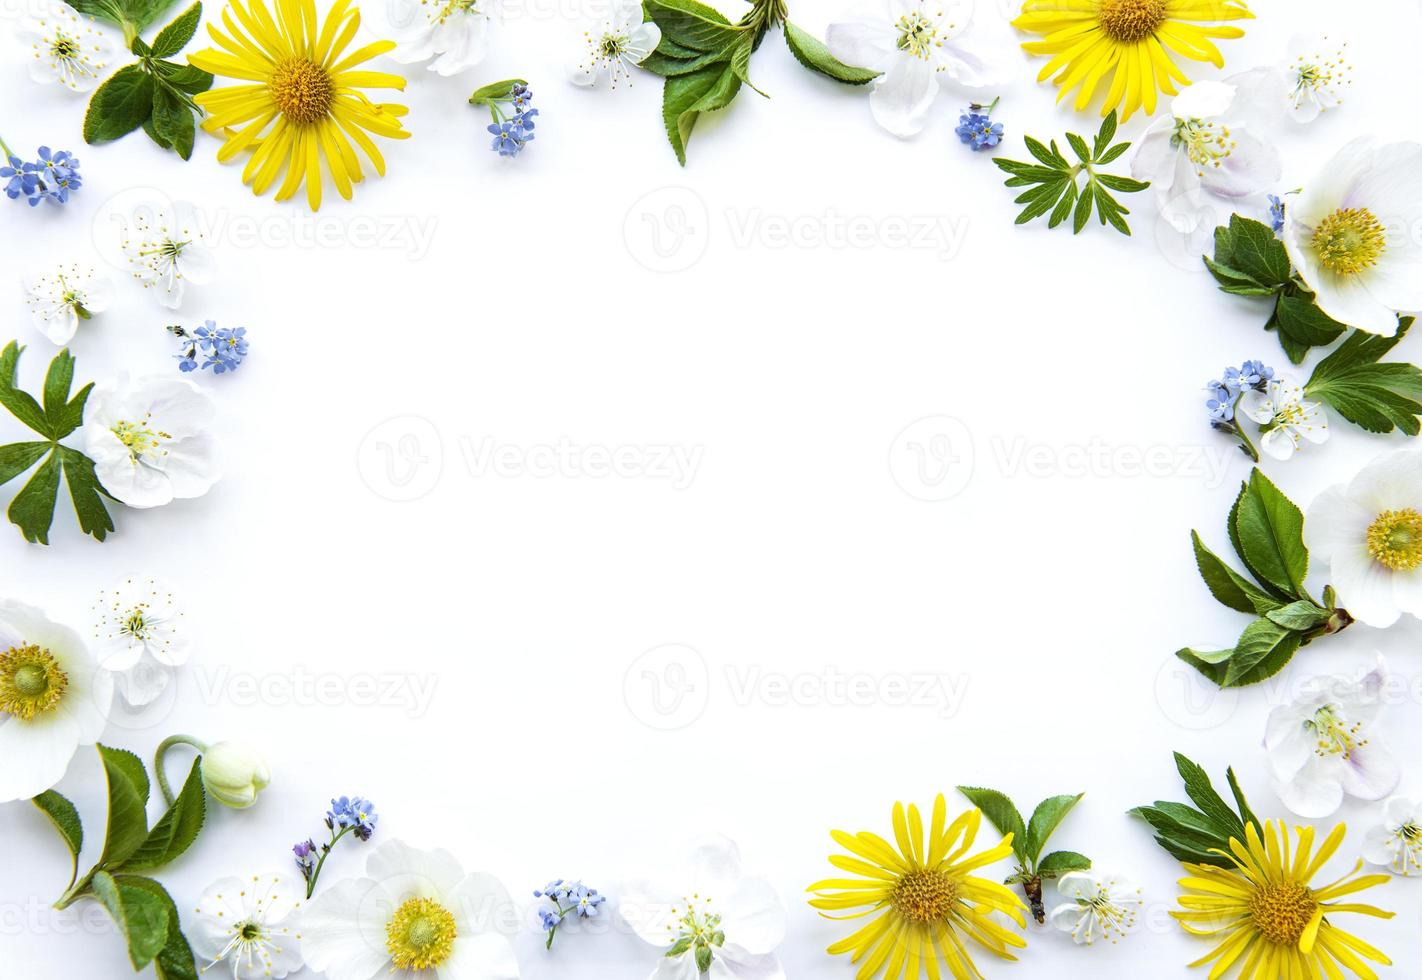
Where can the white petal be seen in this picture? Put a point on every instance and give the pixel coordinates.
(343, 930)
(35, 754)
(407, 871)
(1202, 100)
(903, 95)
(1278, 443)
(1312, 794)
(754, 919)
(1370, 773)
(486, 956)
(863, 43)
(1393, 481)
(143, 683)
(1336, 521)
(1364, 587)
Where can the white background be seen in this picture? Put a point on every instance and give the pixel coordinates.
(1046, 595)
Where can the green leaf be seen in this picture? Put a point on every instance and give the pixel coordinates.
(1257, 251)
(175, 960)
(20, 404)
(57, 381)
(128, 801)
(184, 78)
(178, 33)
(1232, 525)
(86, 494)
(495, 91)
(686, 97)
(1262, 651)
(1180, 843)
(1002, 814)
(1058, 863)
(32, 510)
(1227, 585)
(1242, 803)
(1195, 836)
(141, 915)
(120, 105)
(173, 122)
(1083, 209)
(1045, 820)
(1105, 134)
(693, 25)
(65, 818)
(1300, 616)
(1301, 324)
(18, 457)
(1125, 185)
(73, 415)
(1270, 530)
(811, 52)
(176, 830)
(139, 13)
(1202, 793)
(1379, 397)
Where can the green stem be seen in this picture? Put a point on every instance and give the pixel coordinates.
(163, 748)
(1243, 436)
(6, 147)
(325, 853)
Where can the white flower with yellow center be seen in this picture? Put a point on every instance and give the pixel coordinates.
(1207, 146)
(414, 915)
(60, 300)
(151, 439)
(1316, 74)
(620, 43)
(1351, 234)
(53, 699)
(166, 251)
(454, 33)
(1098, 907)
(244, 922)
(139, 636)
(912, 42)
(1287, 418)
(66, 48)
(707, 917)
(1396, 843)
(1370, 534)
(1323, 745)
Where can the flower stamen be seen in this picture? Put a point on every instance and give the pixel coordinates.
(302, 90)
(31, 681)
(925, 896)
(420, 935)
(1395, 540)
(1131, 21)
(1349, 240)
(1281, 912)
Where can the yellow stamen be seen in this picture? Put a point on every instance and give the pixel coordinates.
(1395, 540)
(302, 90)
(1349, 240)
(1281, 912)
(31, 682)
(1131, 21)
(420, 935)
(925, 896)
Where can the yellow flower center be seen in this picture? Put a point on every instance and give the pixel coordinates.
(1282, 912)
(302, 90)
(1349, 240)
(63, 47)
(420, 935)
(925, 896)
(138, 437)
(31, 682)
(1395, 540)
(1335, 735)
(917, 34)
(1207, 144)
(1131, 21)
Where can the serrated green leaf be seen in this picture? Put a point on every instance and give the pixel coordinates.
(128, 801)
(176, 830)
(172, 122)
(20, 404)
(1257, 251)
(1228, 586)
(1045, 820)
(686, 97)
(141, 915)
(1241, 803)
(1264, 648)
(1078, 146)
(1002, 814)
(1380, 397)
(65, 817)
(175, 960)
(57, 381)
(174, 37)
(120, 105)
(1084, 203)
(1270, 528)
(1202, 793)
(1058, 863)
(1125, 185)
(32, 510)
(1106, 133)
(86, 494)
(694, 25)
(811, 52)
(1299, 616)
(1299, 321)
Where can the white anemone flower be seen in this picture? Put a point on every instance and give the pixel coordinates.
(707, 917)
(66, 48)
(620, 43)
(53, 699)
(1350, 234)
(454, 33)
(415, 915)
(1289, 419)
(243, 922)
(1370, 534)
(910, 42)
(140, 637)
(59, 300)
(1396, 843)
(166, 251)
(1323, 745)
(1097, 907)
(1207, 146)
(151, 439)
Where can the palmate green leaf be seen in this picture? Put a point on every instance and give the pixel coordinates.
(1045, 820)
(141, 915)
(811, 52)
(86, 494)
(65, 818)
(18, 403)
(1058, 863)
(1379, 397)
(32, 510)
(1002, 814)
(18, 457)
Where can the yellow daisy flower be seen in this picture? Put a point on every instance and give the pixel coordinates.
(303, 101)
(1130, 40)
(922, 898)
(1274, 923)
